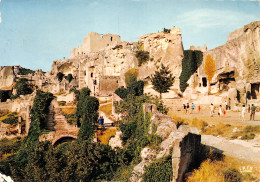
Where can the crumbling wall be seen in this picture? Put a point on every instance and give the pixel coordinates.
(185, 143)
(185, 151)
(94, 42)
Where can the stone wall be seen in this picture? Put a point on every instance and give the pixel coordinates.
(94, 42)
(185, 151)
(108, 85)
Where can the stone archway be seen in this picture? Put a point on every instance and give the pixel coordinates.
(63, 138)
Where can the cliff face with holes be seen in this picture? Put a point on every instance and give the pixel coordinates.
(240, 54)
(102, 60)
(237, 65)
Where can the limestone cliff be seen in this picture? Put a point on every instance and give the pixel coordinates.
(102, 60)
(238, 60)
(7, 76)
(166, 48)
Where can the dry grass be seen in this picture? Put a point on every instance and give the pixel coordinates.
(215, 171)
(199, 123)
(224, 130)
(107, 134)
(107, 109)
(208, 171)
(69, 110)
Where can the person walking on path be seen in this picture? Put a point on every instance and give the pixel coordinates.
(252, 115)
(243, 113)
(184, 108)
(101, 121)
(192, 108)
(187, 108)
(199, 109)
(226, 103)
(220, 111)
(248, 110)
(211, 110)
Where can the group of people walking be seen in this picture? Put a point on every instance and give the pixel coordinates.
(221, 111)
(186, 108)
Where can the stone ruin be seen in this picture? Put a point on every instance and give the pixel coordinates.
(102, 60)
(184, 142)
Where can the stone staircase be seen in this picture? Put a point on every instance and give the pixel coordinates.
(81, 79)
(56, 120)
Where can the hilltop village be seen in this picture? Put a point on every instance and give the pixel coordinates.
(102, 64)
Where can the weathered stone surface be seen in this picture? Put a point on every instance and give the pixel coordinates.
(164, 123)
(188, 129)
(241, 55)
(148, 155)
(184, 153)
(7, 76)
(164, 48)
(116, 140)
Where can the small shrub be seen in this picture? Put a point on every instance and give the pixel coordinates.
(22, 87)
(121, 92)
(255, 129)
(62, 103)
(10, 120)
(25, 71)
(232, 175)
(159, 171)
(154, 141)
(248, 136)
(127, 130)
(71, 118)
(165, 30)
(142, 57)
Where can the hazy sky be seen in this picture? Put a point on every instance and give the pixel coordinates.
(33, 33)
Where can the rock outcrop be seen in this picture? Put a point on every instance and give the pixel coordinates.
(7, 76)
(184, 143)
(164, 48)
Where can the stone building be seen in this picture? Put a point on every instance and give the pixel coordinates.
(95, 42)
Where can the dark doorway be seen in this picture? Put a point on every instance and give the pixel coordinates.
(204, 81)
(254, 90)
(63, 140)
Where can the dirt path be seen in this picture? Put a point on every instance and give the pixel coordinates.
(241, 149)
(234, 148)
(231, 117)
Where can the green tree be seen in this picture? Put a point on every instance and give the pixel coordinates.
(87, 114)
(22, 87)
(162, 80)
(210, 69)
